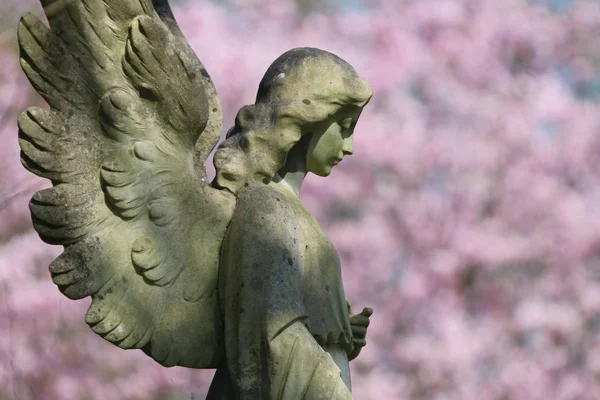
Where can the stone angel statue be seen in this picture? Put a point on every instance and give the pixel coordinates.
(235, 274)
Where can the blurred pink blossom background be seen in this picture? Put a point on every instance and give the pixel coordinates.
(467, 217)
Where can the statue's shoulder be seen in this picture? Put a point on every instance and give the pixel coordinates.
(262, 201)
(263, 209)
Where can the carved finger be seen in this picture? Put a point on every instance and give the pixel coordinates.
(360, 320)
(359, 331)
(354, 353)
(367, 312)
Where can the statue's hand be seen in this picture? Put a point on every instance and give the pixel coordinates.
(359, 324)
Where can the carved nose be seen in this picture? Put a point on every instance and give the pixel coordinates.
(348, 147)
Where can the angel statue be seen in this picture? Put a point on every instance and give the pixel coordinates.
(235, 274)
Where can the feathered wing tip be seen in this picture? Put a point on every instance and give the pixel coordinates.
(215, 117)
(133, 113)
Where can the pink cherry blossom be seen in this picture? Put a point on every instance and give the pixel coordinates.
(467, 216)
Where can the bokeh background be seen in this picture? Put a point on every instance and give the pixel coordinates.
(468, 217)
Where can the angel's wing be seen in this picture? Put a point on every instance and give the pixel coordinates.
(133, 118)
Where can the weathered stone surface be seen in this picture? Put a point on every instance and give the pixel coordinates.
(235, 274)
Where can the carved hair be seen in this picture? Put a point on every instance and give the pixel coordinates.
(303, 86)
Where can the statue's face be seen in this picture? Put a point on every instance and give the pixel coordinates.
(331, 141)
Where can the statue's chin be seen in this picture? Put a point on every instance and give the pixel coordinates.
(325, 171)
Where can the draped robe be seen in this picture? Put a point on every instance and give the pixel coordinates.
(287, 330)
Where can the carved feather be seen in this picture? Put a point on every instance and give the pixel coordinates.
(133, 117)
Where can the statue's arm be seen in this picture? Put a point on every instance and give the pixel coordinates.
(270, 352)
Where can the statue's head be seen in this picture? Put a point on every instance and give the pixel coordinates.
(306, 93)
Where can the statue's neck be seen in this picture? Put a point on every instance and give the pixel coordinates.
(294, 171)
(291, 180)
